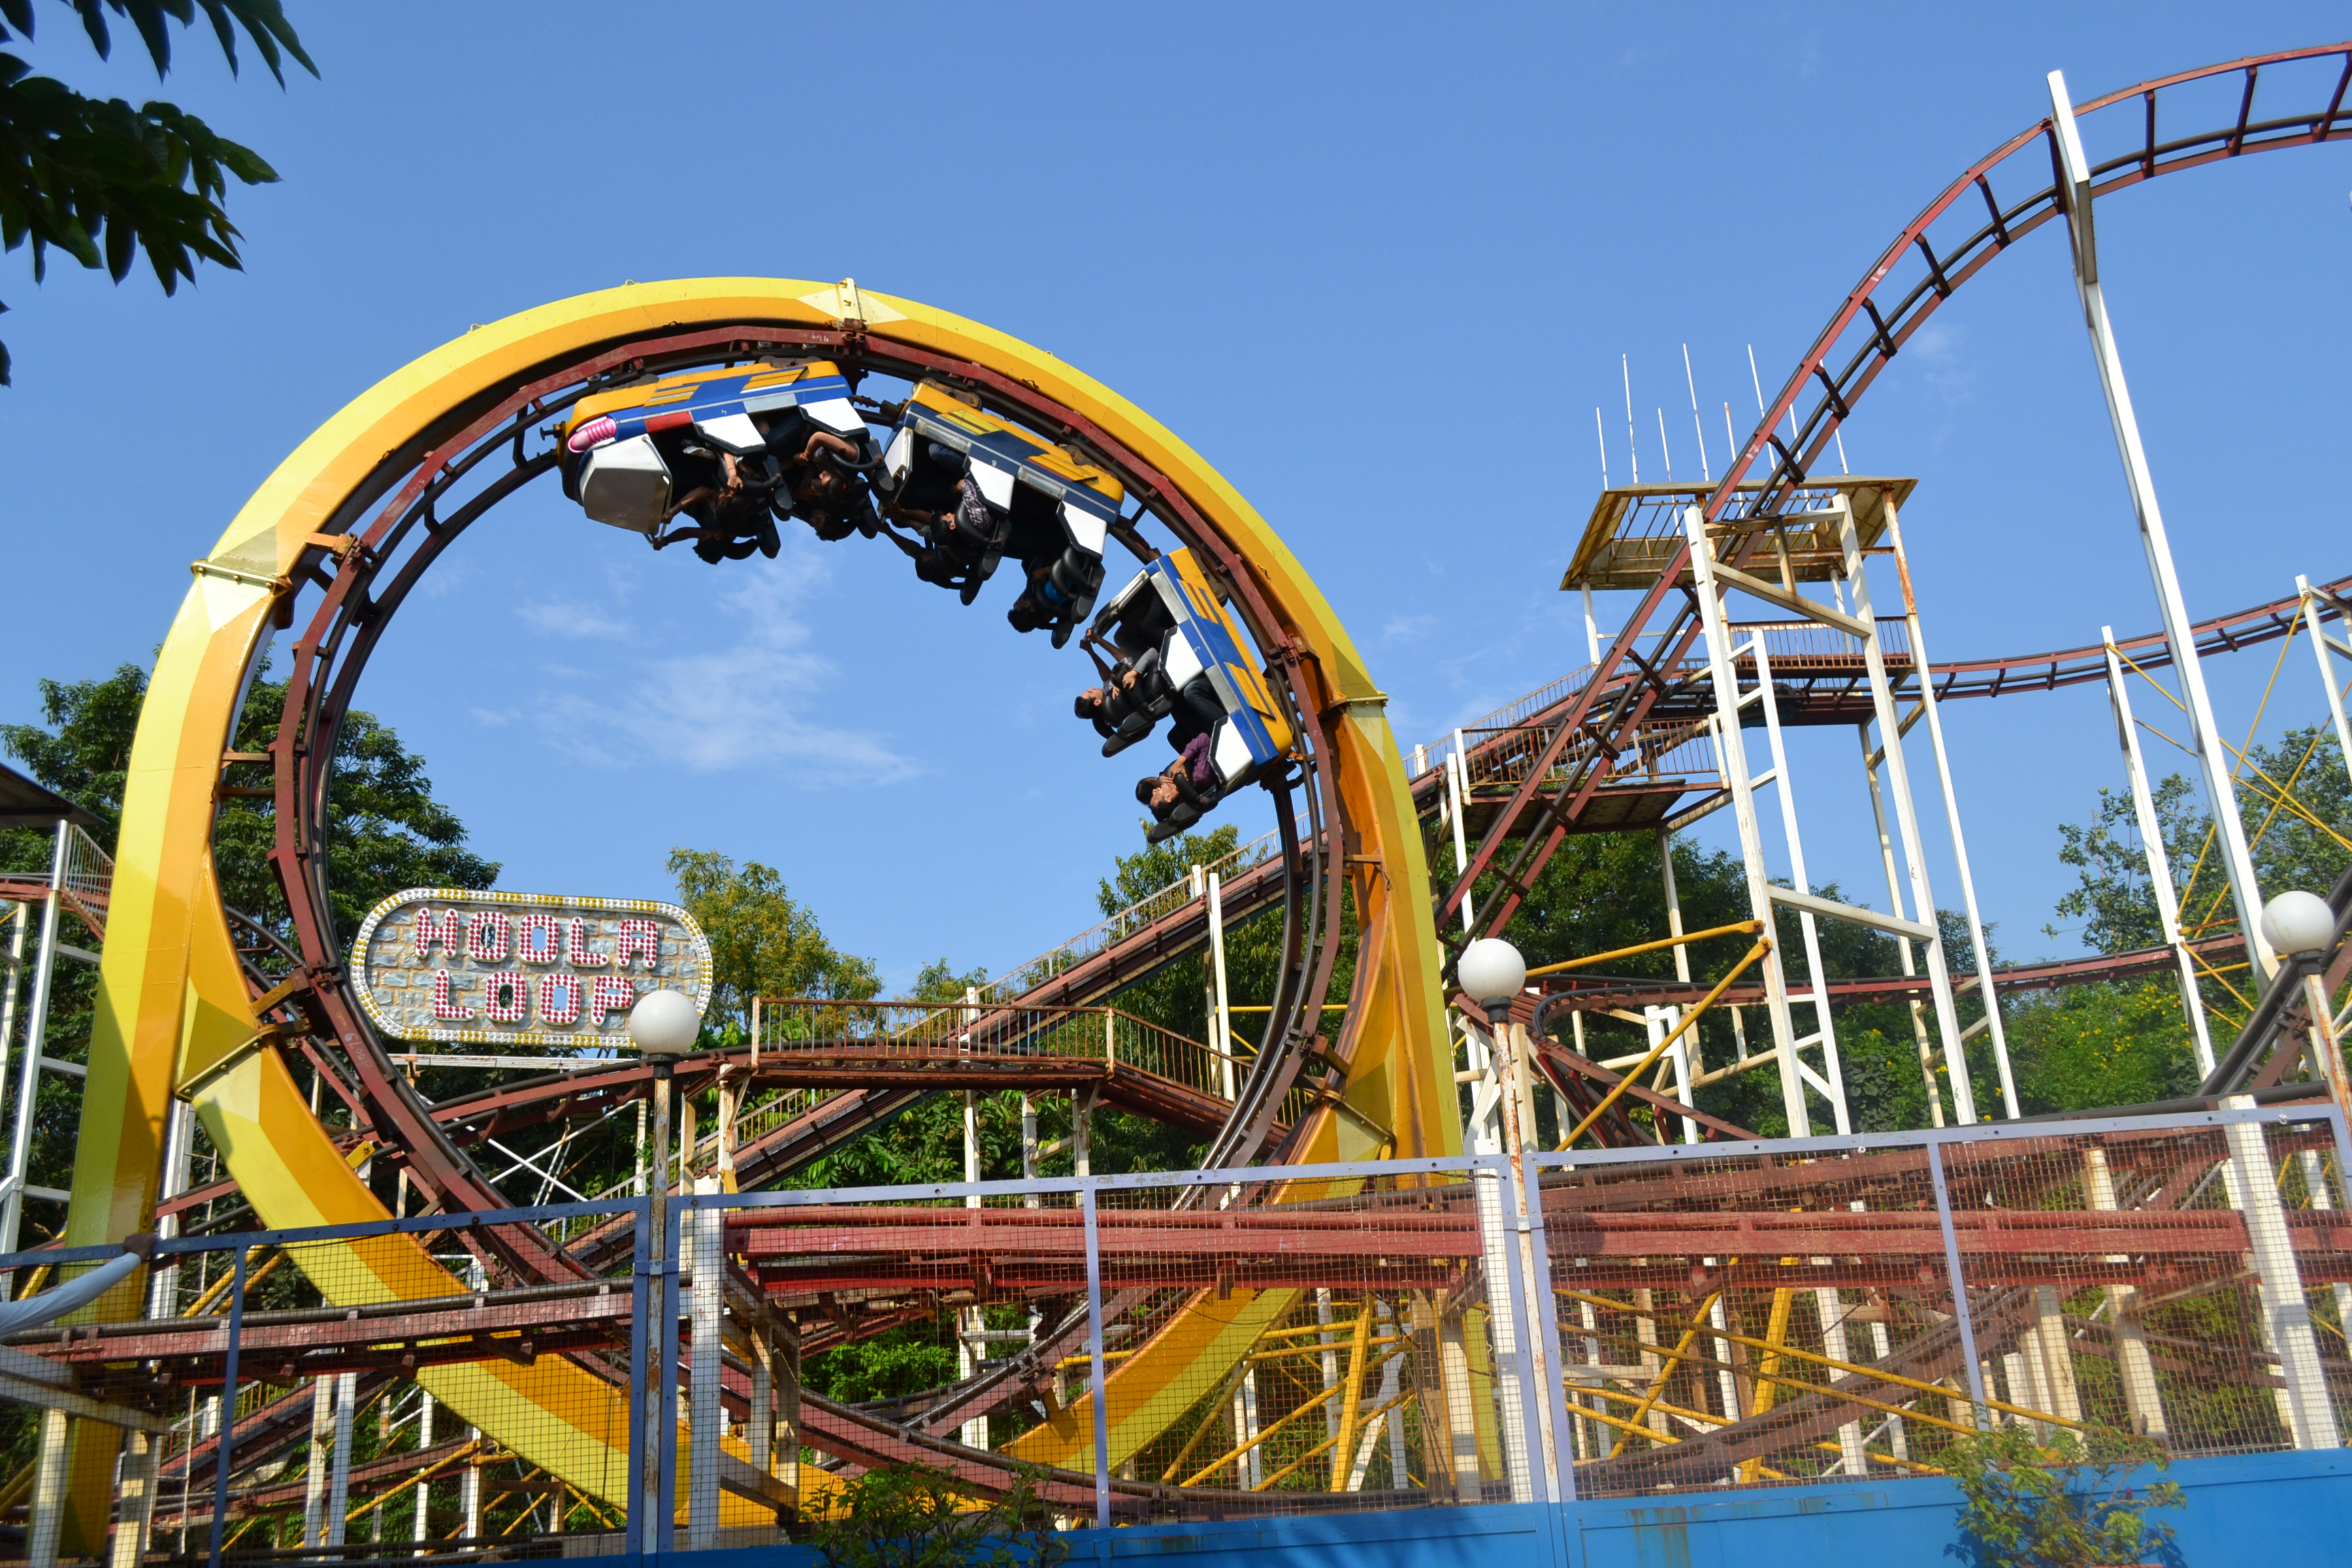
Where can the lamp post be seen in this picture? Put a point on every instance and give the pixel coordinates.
(663, 1025)
(2300, 928)
(1491, 973)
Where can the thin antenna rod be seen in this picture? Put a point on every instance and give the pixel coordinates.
(1840, 435)
(1601, 435)
(1755, 381)
(1731, 442)
(1706, 469)
(1669, 451)
(1626, 364)
(1758, 384)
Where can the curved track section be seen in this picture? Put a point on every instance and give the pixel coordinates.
(360, 511)
(1818, 689)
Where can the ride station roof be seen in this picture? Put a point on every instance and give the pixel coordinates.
(23, 803)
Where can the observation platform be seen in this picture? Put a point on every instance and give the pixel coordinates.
(1636, 530)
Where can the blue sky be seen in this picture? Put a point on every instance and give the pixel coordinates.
(1377, 263)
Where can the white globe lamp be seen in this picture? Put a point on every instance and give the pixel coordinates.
(1491, 971)
(664, 1024)
(2298, 922)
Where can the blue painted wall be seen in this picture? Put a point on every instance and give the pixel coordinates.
(2269, 1511)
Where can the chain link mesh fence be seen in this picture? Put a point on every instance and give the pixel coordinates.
(1201, 1345)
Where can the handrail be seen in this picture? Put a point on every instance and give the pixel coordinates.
(793, 1025)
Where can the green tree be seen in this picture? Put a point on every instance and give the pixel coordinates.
(2089, 1047)
(2070, 1503)
(2296, 803)
(102, 181)
(2127, 1043)
(763, 941)
(385, 831)
(916, 1516)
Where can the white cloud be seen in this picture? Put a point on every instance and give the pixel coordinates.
(1949, 373)
(738, 705)
(568, 620)
(1411, 629)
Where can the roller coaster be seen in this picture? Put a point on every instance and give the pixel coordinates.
(715, 413)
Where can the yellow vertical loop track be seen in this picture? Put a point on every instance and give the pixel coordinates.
(174, 1015)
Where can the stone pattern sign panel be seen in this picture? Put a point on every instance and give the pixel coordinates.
(522, 969)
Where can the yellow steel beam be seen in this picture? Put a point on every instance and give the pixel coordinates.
(1763, 946)
(1738, 928)
(1352, 1404)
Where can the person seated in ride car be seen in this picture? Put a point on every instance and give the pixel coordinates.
(1186, 788)
(1120, 708)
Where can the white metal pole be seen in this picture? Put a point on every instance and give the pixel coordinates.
(163, 1284)
(2319, 649)
(1784, 791)
(21, 924)
(1674, 906)
(1245, 1428)
(315, 1477)
(2159, 861)
(339, 1462)
(1907, 821)
(1690, 1056)
(2221, 788)
(1221, 1025)
(1518, 1436)
(424, 1489)
(972, 1343)
(1657, 1022)
(36, 1030)
(1902, 943)
(44, 1524)
(1705, 469)
(2286, 1307)
(470, 1490)
(469, 1485)
(1591, 627)
(1926, 678)
(1743, 804)
(703, 1427)
(1457, 783)
(1632, 446)
(136, 1517)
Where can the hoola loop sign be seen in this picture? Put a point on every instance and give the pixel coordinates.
(522, 969)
